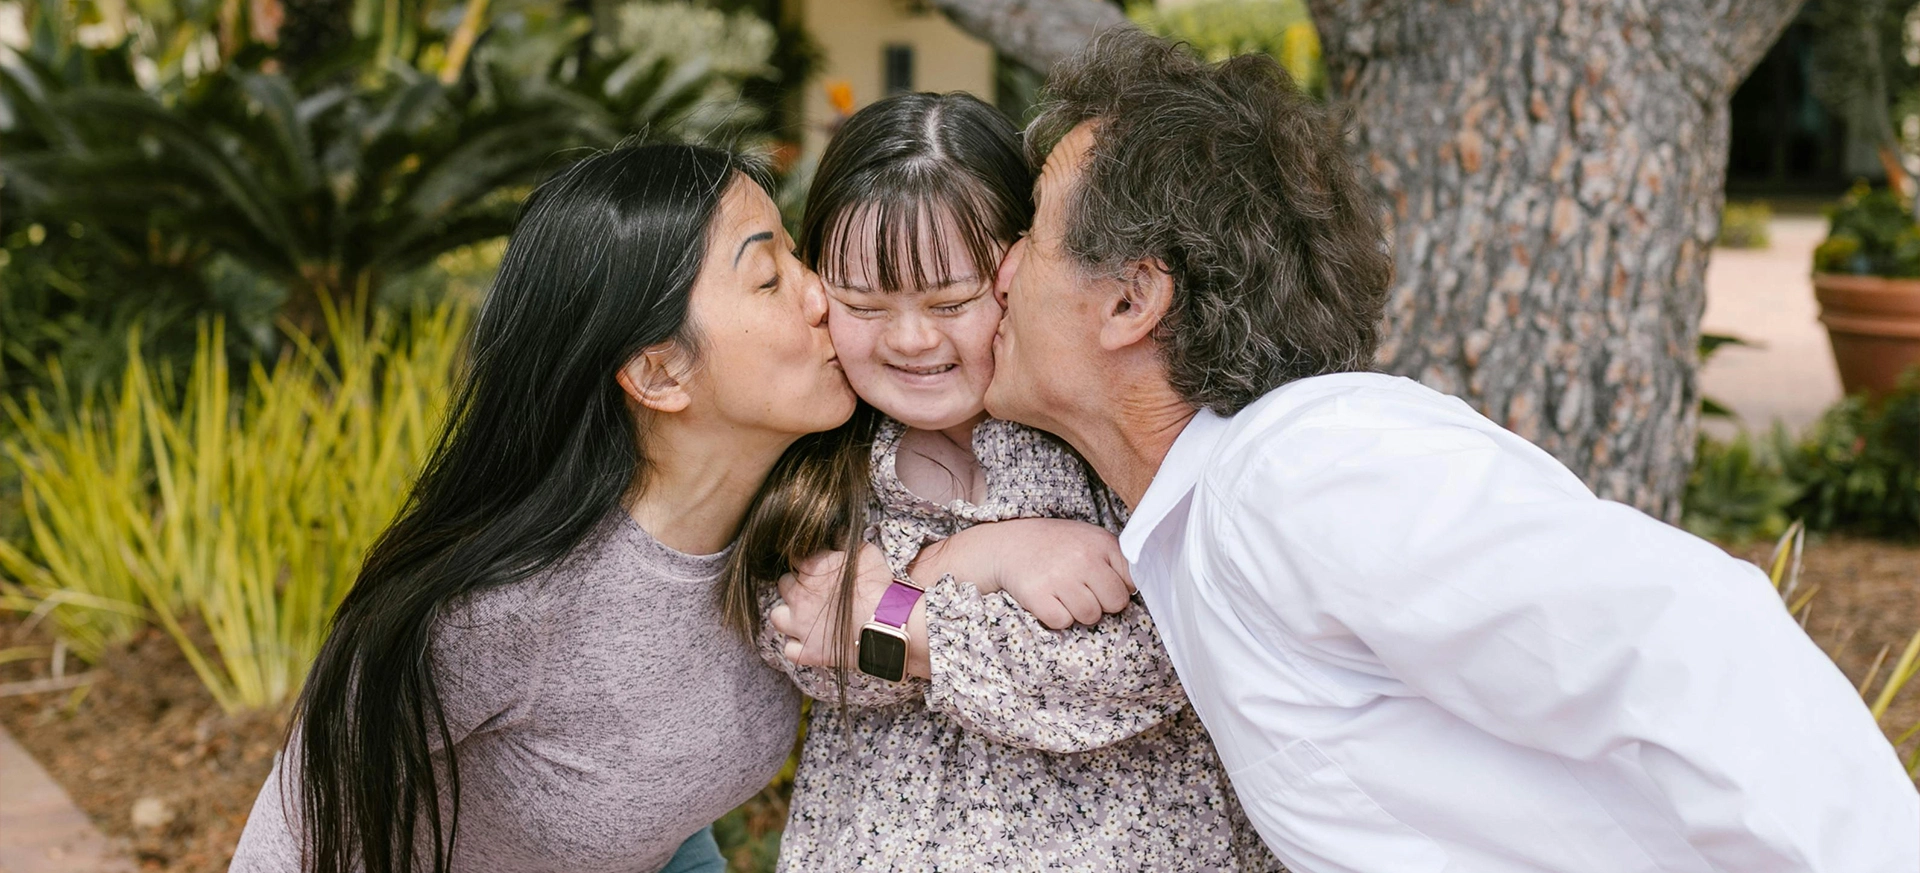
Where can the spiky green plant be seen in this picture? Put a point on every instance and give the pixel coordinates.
(245, 509)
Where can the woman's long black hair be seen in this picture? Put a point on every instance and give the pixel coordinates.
(539, 447)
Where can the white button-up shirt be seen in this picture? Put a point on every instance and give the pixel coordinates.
(1421, 644)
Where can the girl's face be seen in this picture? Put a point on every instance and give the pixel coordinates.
(921, 355)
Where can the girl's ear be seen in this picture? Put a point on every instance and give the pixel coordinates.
(656, 378)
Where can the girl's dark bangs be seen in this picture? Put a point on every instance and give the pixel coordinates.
(903, 261)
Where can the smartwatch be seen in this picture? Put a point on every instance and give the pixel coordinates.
(883, 641)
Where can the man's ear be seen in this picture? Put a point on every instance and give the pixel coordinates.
(1141, 298)
(655, 378)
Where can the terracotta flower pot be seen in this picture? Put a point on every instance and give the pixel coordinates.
(1874, 323)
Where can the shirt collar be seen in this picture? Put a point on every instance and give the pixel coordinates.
(1176, 477)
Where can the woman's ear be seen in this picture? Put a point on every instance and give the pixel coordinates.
(656, 378)
(1141, 297)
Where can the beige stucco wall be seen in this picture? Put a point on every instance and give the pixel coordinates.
(853, 34)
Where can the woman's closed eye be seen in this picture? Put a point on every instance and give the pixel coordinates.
(774, 282)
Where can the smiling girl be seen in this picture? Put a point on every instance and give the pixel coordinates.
(1012, 708)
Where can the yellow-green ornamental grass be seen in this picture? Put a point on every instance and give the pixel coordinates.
(245, 507)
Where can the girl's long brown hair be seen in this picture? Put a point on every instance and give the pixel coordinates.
(909, 161)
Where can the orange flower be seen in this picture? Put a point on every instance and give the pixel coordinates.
(840, 95)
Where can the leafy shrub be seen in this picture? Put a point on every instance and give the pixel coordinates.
(1740, 490)
(1860, 466)
(1872, 234)
(245, 507)
(1220, 29)
(1744, 226)
(313, 187)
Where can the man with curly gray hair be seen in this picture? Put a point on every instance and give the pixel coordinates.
(1420, 643)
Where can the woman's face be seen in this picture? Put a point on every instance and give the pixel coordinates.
(758, 316)
(921, 355)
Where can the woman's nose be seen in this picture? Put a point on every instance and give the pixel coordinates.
(813, 298)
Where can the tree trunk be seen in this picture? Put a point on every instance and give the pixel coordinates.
(1036, 33)
(1554, 170)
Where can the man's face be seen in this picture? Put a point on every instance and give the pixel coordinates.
(1049, 339)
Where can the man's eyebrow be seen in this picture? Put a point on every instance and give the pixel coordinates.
(762, 236)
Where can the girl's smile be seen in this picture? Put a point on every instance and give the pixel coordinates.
(923, 355)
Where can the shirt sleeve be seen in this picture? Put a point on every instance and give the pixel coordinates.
(1001, 673)
(1475, 570)
(486, 652)
(820, 683)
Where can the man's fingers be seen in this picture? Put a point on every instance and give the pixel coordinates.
(1053, 614)
(1084, 604)
(781, 616)
(789, 586)
(1113, 592)
(794, 651)
(1118, 561)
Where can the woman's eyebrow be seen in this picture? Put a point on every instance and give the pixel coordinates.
(762, 236)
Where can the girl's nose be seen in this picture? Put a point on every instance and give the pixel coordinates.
(912, 334)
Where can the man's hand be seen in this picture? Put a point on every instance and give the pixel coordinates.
(809, 593)
(1064, 572)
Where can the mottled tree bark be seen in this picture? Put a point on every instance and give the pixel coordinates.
(1036, 33)
(1554, 170)
(1555, 173)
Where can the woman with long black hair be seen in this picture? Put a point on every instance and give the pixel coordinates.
(532, 672)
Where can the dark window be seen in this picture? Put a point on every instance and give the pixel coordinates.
(899, 68)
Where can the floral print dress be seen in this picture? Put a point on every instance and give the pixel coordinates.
(1031, 748)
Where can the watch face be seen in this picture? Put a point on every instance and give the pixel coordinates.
(883, 654)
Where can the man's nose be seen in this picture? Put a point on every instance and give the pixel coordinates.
(1003, 277)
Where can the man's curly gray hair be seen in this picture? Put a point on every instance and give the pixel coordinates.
(1240, 184)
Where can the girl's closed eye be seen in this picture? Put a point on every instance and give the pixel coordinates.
(956, 307)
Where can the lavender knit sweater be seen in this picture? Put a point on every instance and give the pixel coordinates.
(600, 712)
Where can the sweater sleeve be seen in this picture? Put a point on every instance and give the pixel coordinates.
(1000, 672)
(486, 652)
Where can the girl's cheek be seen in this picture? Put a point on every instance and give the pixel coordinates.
(853, 340)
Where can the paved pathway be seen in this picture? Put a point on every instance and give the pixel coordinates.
(41, 831)
(1765, 296)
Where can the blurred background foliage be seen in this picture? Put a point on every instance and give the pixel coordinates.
(1220, 29)
(163, 160)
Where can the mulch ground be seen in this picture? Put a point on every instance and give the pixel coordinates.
(148, 729)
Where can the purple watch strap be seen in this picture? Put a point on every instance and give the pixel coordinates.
(896, 605)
